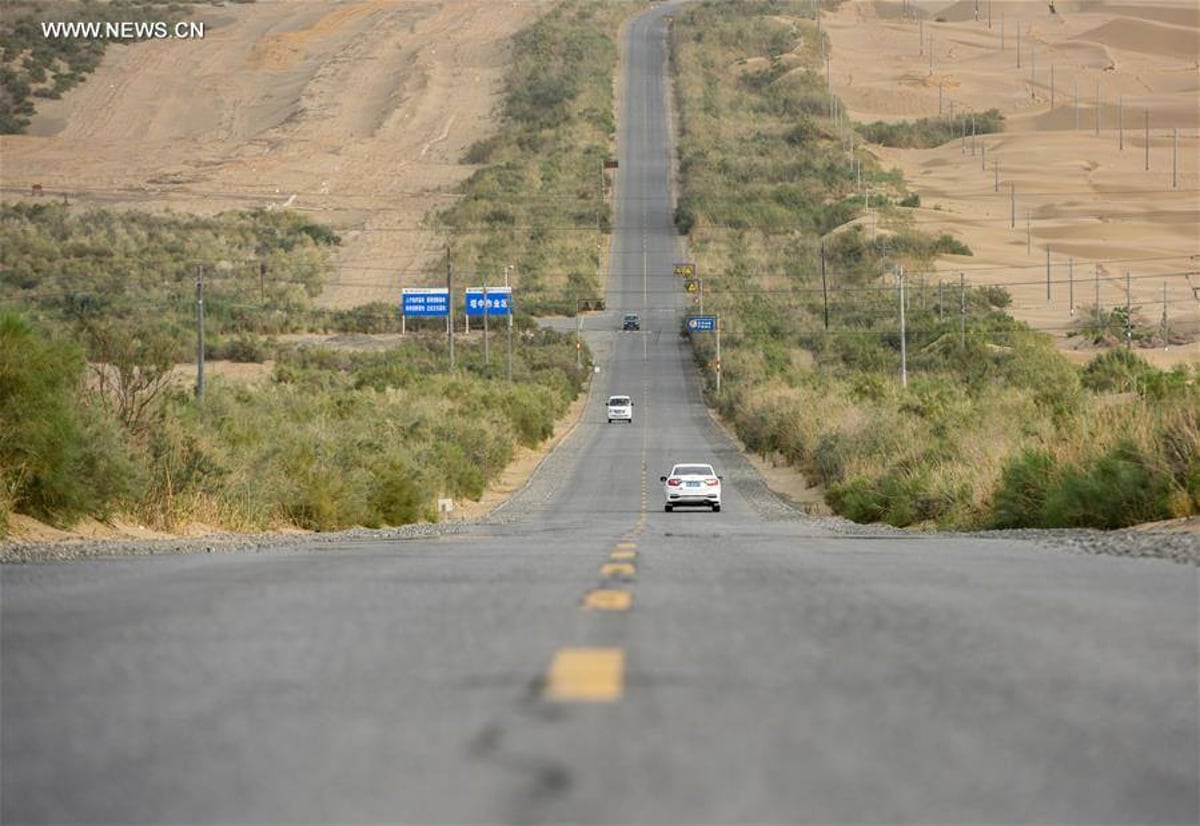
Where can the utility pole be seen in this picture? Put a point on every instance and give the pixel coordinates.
(1121, 123)
(1165, 331)
(1128, 313)
(903, 338)
(824, 287)
(512, 308)
(1175, 162)
(450, 299)
(1071, 284)
(962, 311)
(1147, 140)
(1047, 274)
(718, 354)
(200, 332)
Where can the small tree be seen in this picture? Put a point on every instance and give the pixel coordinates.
(132, 366)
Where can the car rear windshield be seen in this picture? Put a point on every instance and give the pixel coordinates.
(618, 401)
(694, 470)
(631, 317)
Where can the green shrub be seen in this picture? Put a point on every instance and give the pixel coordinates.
(59, 460)
(1116, 371)
(245, 348)
(1114, 491)
(1024, 486)
(946, 244)
(926, 133)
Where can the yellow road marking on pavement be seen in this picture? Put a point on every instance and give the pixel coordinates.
(608, 599)
(626, 544)
(617, 569)
(595, 675)
(619, 555)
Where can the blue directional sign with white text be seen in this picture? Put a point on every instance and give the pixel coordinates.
(701, 323)
(426, 301)
(499, 301)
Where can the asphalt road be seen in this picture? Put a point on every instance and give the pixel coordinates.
(585, 657)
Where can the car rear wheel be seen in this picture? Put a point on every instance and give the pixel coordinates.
(716, 508)
(667, 508)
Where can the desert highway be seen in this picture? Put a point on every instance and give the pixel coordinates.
(584, 657)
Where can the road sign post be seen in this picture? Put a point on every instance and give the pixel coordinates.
(707, 324)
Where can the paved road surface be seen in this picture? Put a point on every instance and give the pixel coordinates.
(748, 666)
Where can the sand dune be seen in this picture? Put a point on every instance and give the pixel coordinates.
(1064, 193)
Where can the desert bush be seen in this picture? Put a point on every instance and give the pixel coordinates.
(1116, 371)
(59, 458)
(925, 133)
(1025, 484)
(1116, 489)
(946, 244)
(246, 348)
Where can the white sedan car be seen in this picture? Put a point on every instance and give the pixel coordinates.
(692, 484)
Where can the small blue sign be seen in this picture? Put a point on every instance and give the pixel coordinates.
(499, 301)
(426, 301)
(701, 323)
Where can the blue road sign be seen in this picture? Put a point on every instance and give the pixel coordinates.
(426, 301)
(499, 301)
(701, 323)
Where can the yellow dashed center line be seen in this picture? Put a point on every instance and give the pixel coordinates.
(607, 599)
(623, 555)
(595, 675)
(618, 569)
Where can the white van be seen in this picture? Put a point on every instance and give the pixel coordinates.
(620, 409)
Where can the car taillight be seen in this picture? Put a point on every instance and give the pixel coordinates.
(712, 482)
(674, 482)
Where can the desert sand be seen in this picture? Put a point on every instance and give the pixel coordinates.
(1055, 186)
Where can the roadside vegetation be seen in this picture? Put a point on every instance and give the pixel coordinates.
(540, 196)
(333, 439)
(97, 308)
(33, 66)
(995, 427)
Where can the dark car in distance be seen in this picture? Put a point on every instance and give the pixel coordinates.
(631, 322)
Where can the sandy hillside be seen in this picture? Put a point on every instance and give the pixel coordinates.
(357, 111)
(1086, 197)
